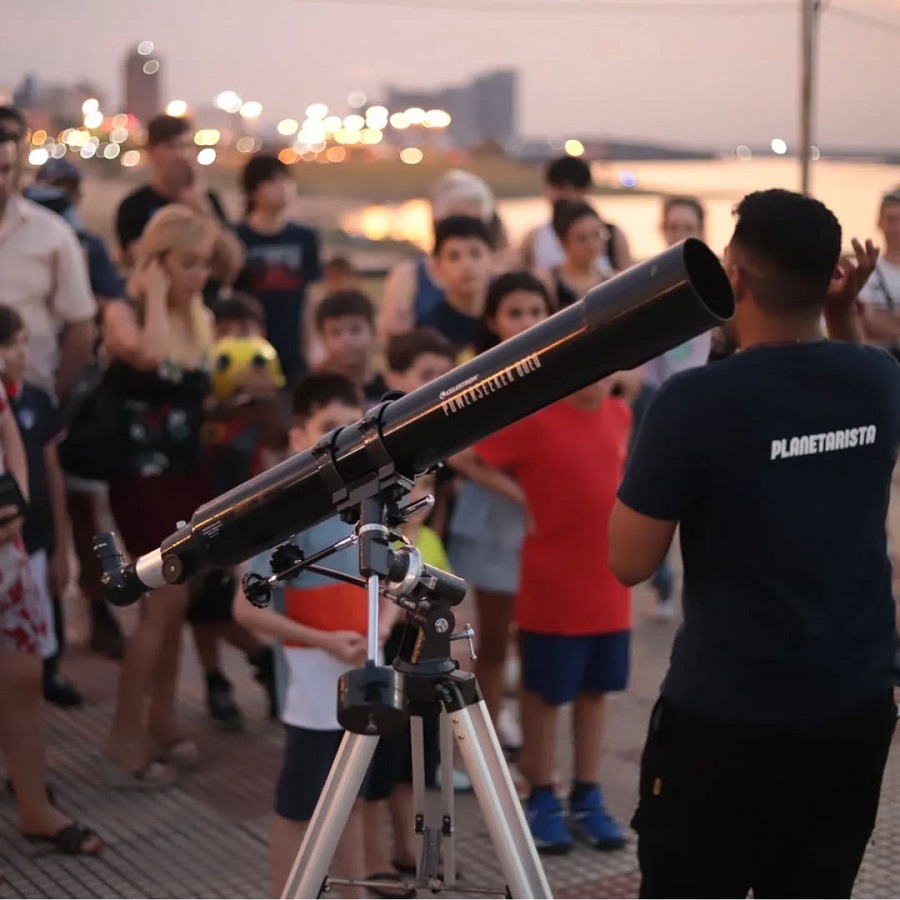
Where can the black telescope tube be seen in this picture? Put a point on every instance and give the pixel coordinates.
(619, 325)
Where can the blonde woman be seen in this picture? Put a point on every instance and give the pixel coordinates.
(158, 343)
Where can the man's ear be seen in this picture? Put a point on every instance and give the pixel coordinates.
(739, 282)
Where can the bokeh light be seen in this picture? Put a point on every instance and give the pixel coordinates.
(151, 67)
(38, 156)
(228, 101)
(176, 108)
(437, 118)
(412, 156)
(288, 127)
(357, 99)
(573, 147)
(207, 156)
(399, 120)
(354, 123)
(145, 48)
(111, 151)
(779, 146)
(743, 153)
(336, 154)
(251, 109)
(131, 158)
(90, 105)
(93, 119)
(415, 115)
(246, 144)
(316, 111)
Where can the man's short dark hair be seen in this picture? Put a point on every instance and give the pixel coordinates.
(239, 307)
(568, 172)
(792, 244)
(319, 389)
(12, 124)
(460, 227)
(404, 349)
(567, 212)
(11, 323)
(166, 128)
(345, 303)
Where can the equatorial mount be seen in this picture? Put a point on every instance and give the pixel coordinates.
(373, 699)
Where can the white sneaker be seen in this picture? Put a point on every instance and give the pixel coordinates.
(509, 731)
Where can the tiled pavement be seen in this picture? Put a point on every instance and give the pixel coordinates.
(207, 837)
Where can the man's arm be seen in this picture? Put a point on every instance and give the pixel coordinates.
(661, 479)
(76, 348)
(637, 544)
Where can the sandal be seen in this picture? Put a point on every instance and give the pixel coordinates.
(386, 891)
(73, 838)
(182, 753)
(155, 776)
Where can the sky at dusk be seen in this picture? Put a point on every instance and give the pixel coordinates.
(724, 75)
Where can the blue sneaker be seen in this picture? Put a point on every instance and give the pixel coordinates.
(591, 821)
(547, 823)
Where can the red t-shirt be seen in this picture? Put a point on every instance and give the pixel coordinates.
(569, 462)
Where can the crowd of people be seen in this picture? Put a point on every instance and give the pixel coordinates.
(136, 390)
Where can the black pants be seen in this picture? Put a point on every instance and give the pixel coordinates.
(783, 810)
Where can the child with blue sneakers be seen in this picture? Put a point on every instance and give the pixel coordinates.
(572, 614)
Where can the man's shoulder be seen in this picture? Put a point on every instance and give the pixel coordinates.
(45, 219)
(139, 197)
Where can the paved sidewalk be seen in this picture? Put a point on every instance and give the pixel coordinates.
(207, 837)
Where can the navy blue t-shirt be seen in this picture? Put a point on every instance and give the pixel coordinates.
(103, 275)
(777, 463)
(279, 269)
(38, 424)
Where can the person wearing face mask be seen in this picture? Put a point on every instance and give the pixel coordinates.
(159, 344)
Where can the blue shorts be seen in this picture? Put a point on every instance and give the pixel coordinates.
(308, 757)
(561, 666)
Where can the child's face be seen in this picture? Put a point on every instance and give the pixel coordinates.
(348, 340)
(463, 266)
(425, 367)
(322, 421)
(517, 312)
(14, 356)
(236, 328)
(276, 195)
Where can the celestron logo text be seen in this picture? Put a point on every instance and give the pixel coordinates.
(825, 442)
(490, 385)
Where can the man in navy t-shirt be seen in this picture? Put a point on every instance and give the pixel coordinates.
(282, 260)
(766, 750)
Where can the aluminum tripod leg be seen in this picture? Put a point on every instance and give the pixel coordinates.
(500, 806)
(330, 818)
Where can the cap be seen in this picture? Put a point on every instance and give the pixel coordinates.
(56, 170)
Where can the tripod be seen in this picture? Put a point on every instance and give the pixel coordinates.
(376, 700)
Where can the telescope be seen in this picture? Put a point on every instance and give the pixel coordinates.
(635, 316)
(362, 472)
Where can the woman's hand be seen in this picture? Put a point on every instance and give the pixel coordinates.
(152, 281)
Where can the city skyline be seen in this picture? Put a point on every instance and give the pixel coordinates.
(672, 76)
